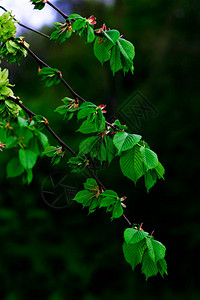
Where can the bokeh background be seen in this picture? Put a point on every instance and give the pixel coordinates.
(60, 254)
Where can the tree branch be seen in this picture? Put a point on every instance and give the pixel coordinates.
(43, 64)
(64, 145)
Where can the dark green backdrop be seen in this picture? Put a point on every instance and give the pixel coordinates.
(53, 254)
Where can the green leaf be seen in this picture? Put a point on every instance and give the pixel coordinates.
(102, 49)
(131, 164)
(117, 210)
(149, 157)
(133, 253)
(14, 168)
(12, 50)
(83, 113)
(38, 4)
(134, 236)
(50, 76)
(115, 60)
(22, 122)
(29, 175)
(90, 184)
(162, 267)
(150, 247)
(149, 267)
(160, 170)
(27, 158)
(79, 24)
(112, 35)
(74, 16)
(82, 196)
(127, 54)
(110, 149)
(88, 144)
(107, 201)
(124, 141)
(159, 250)
(11, 142)
(126, 48)
(90, 34)
(87, 127)
(7, 26)
(50, 151)
(150, 178)
(43, 139)
(110, 194)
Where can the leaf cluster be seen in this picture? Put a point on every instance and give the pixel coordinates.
(140, 247)
(7, 107)
(50, 76)
(12, 50)
(93, 197)
(7, 26)
(108, 44)
(38, 4)
(119, 51)
(68, 109)
(29, 142)
(62, 32)
(56, 154)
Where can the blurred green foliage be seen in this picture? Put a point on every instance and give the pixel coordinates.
(56, 254)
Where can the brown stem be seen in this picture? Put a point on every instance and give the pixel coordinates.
(58, 10)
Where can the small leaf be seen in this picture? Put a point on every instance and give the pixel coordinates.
(14, 168)
(107, 201)
(27, 158)
(117, 210)
(112, 35)
(133, 253)
(131, 164)
(149, 267)
(124, 141)
(90, 184)
(110, 194)
(102, 49)
(134, 236)
(115, 60)
(90, 34)
(83, 196)
(149, 157)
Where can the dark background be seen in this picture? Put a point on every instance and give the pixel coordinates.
(58, 254)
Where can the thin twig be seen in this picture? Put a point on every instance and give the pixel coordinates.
(58, 10)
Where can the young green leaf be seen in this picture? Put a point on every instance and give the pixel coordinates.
(133, 253)
(112, 35)
(124, 141)
(149, 267)
(115, 60)
(38, 4)
(50, 76)
(14, 168)
(117, 210)
(27, 158)
(102, 49)
(131, 164)
(90, 184)
(149, 157)
(134, 236)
